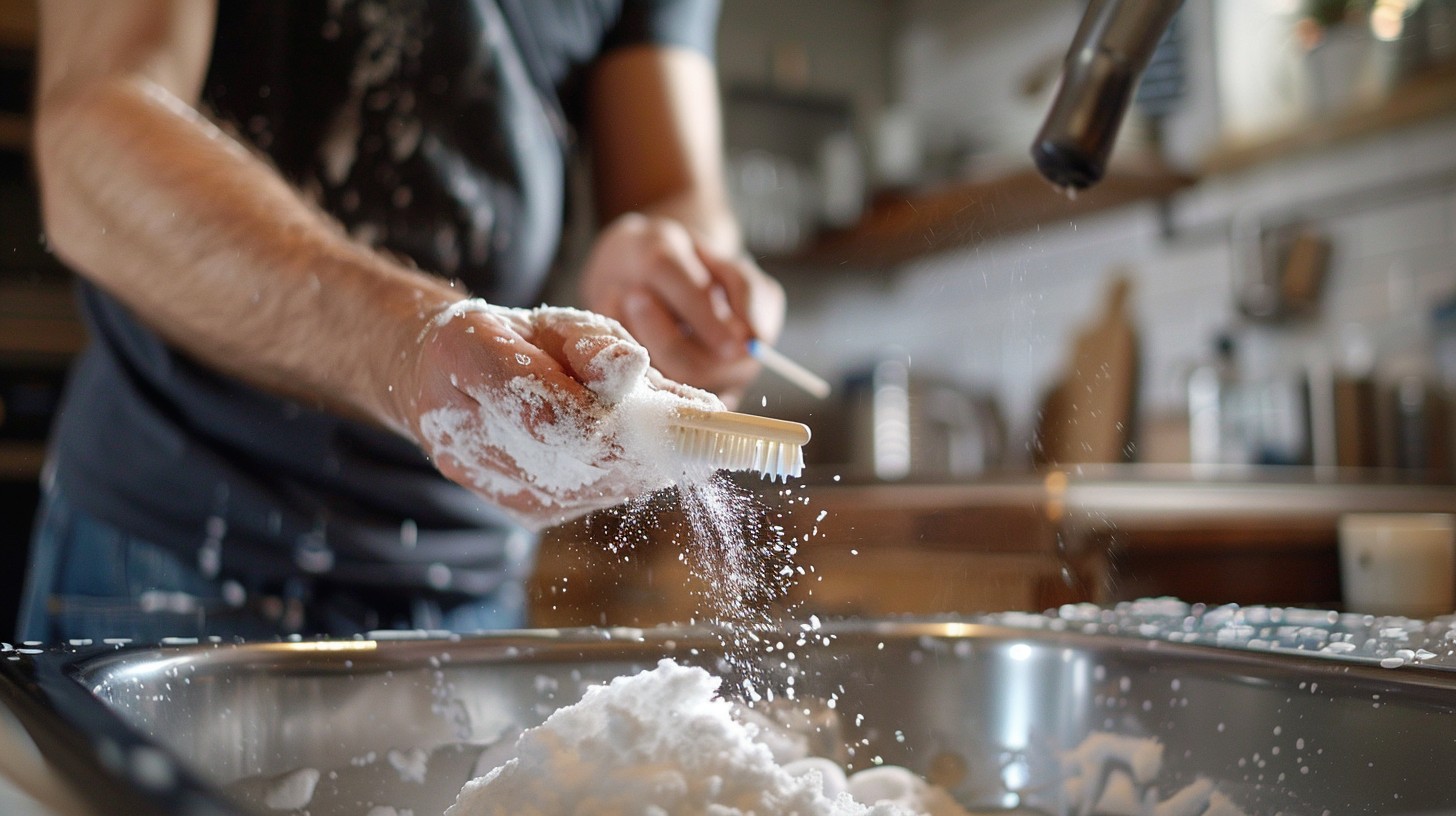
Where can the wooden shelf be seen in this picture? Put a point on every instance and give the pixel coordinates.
(1425, 96)
(14, 132)
(900, 228)
(19, 22)
(21, 460)
(19, 26)
(39, 321)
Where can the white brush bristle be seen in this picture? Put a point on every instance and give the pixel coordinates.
(720, 450)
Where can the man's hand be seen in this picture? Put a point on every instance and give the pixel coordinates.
(549, 413)
(693, 309)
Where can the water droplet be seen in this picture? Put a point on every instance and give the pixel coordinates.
(209, 558)
(438, 576)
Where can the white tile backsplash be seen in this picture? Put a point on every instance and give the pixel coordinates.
(1400, 227)
(1365, 301)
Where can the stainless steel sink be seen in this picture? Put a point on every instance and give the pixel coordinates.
(990, 707)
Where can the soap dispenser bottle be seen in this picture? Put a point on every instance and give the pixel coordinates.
(1216, 433)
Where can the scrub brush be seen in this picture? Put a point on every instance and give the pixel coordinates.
(727, 440)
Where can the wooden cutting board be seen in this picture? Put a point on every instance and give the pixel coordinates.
(1088, 414)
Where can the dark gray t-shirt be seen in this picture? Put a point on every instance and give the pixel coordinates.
(436, 131)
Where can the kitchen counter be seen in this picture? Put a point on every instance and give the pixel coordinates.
(1142, 491)
(1241, 535)
(1093, 499)
(1022, 541)
(1157, 495)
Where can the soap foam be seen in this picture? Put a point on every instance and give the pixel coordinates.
(523, 437)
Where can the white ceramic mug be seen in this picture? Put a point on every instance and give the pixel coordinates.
(1398, 563)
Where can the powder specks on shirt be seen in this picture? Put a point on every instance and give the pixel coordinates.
(378, 59)
(660, 742)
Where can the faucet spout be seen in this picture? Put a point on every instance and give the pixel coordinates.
(1107, 57)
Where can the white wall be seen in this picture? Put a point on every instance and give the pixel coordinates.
(846, 44)
(959, 67)
(1002, 314)
(962, 67)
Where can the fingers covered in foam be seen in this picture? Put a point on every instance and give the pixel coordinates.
(548, 412)
(595, 349)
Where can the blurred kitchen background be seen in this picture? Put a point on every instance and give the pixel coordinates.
(1174, 383)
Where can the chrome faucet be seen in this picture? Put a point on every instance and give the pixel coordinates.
(1107, 57)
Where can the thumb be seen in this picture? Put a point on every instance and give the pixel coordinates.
(610, 366)
(596, 350)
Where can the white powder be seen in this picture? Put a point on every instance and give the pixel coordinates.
(1114, 774)
(292, 791)
(412, 765)
(615, 369)
(659, 742)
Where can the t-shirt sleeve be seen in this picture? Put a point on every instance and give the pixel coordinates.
(685, 23)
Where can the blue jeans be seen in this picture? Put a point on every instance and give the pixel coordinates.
(90, 580)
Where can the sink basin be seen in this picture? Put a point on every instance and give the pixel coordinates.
(992, 708)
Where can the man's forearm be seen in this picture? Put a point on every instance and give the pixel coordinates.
(211, 248)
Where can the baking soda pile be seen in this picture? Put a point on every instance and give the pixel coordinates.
(661, 742)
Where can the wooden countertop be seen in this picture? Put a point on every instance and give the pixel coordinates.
(1250, 536)
(1018, 541)
(1151, 497)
